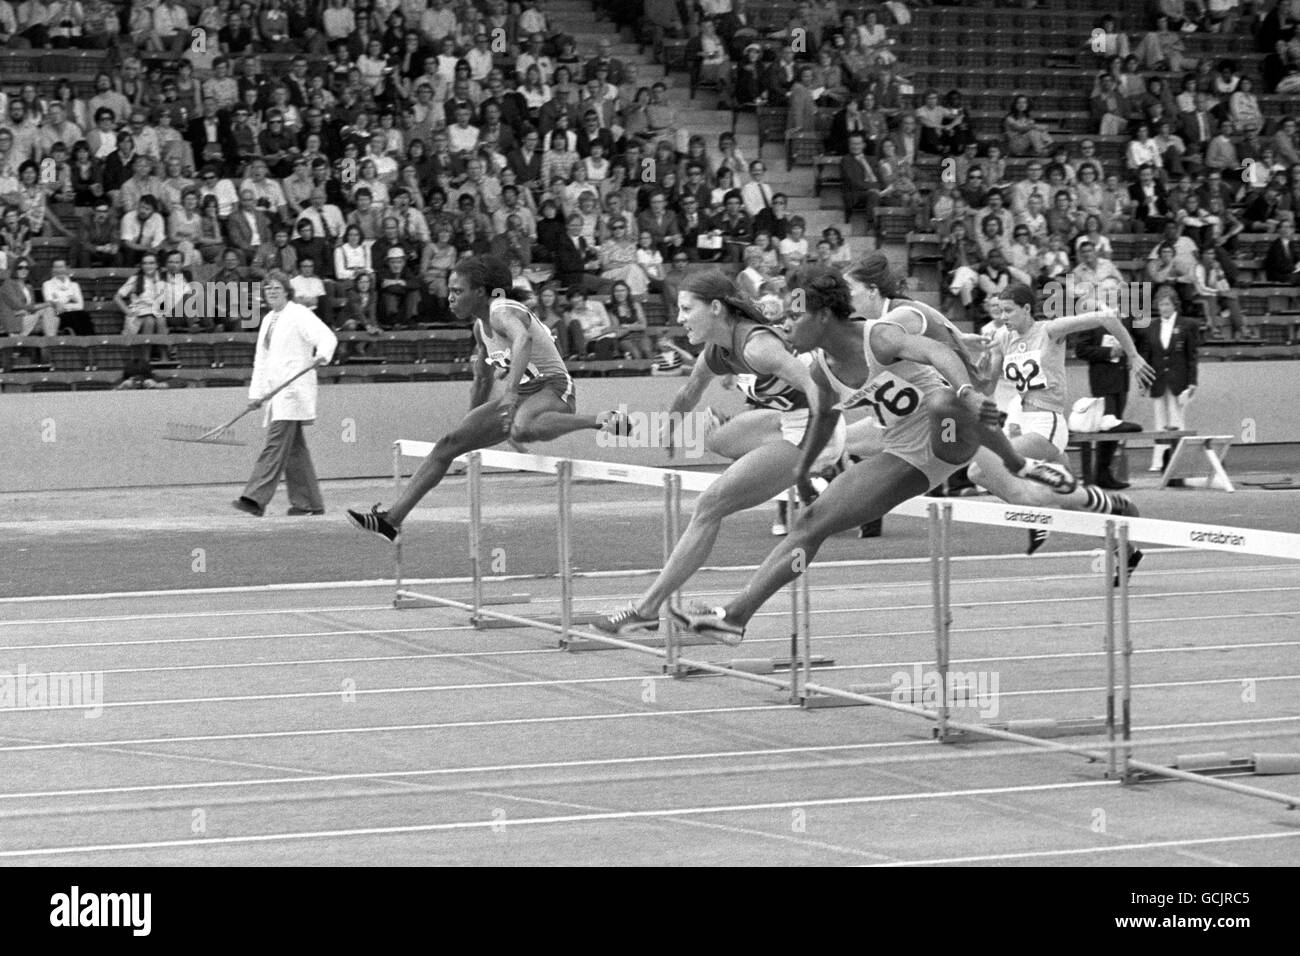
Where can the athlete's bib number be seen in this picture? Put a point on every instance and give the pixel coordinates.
(1025, 371)
(891, 399)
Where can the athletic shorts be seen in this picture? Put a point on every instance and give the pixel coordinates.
(1051, 425)
(912, 440)
(561, 385)
(795, 423)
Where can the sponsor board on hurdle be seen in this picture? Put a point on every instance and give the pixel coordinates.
(793, 674)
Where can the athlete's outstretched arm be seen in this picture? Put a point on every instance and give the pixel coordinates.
(1109, 320)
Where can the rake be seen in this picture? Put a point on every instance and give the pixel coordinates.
(221, 434)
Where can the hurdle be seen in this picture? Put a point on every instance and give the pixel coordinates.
(1115, 534)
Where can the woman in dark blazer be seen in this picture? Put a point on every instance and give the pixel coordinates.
(1169, 343)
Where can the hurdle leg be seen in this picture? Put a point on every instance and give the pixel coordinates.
(792, 513)
(938, 545)
(397, 464)
(476, 532)
(1108, 576)
(672, 524)
(563, 474)
(1126, 651)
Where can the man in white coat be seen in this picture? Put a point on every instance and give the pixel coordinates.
(291, 338)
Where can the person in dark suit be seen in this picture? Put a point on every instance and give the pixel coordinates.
(1152, 201)
(526, 161)
(1283, 255)
(861, 184)
(1108, 376)
(1169, 343)
(576, 264)
(208, 135)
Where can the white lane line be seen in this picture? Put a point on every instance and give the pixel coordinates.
(551, 651)
(396, 728)
(625, 573)
(171, 616)
(602, 598)
(555, 682)
(940, 754)
(273, 636)
(1084, 851)
(548, 765)
(519, 822)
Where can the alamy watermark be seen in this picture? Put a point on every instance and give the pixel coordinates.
(977, 690)
(687, 431)
(1132, 300)
(65, 690)
(196, 300)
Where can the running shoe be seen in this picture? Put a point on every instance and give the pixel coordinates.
(615, 423)
(625, 621)
(1122, 507)
(780, 526)
(1049, 473)
(1037, 538)
(708, 622)
(374, 521)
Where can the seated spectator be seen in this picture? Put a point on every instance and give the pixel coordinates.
(142, 232)
(1164, 49)
(398, 286)
(63, 294)
(631, 322)
(98, 239)
(1094, 274)
(566, 332)
(599, 330)
(939, 126)
(1219, 300)
(962, 260)
(793, 249)
(1092, 231)
(990, 235)
(310, 290)
(1282, 263)
(1024, 255)
(1149, 197)
(20, 313)
(277, 254)
(360, 306)
(1266, 207)
(1023, 134)
(309, 246)
(862, 187)
(139, 298)
(1164, 270)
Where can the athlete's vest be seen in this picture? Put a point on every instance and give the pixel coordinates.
(894, 391)
(1035, 364)
(764, 391)
(545, 360)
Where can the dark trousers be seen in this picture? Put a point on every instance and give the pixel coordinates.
(77, 322)
(285, 453)
(1115, 405)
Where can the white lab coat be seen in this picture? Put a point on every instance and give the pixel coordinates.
(299, 339)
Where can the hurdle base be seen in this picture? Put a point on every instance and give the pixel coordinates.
(914, 696)
(750, 665)
(1045, 729)
(1242, 765)
(582, 644)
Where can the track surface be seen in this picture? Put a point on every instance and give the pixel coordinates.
(321, 726)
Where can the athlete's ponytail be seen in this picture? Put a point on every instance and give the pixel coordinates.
(875, 270)
(713, 286)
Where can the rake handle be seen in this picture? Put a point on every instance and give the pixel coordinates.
(253, 406)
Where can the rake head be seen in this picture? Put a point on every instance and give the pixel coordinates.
(202, 434)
